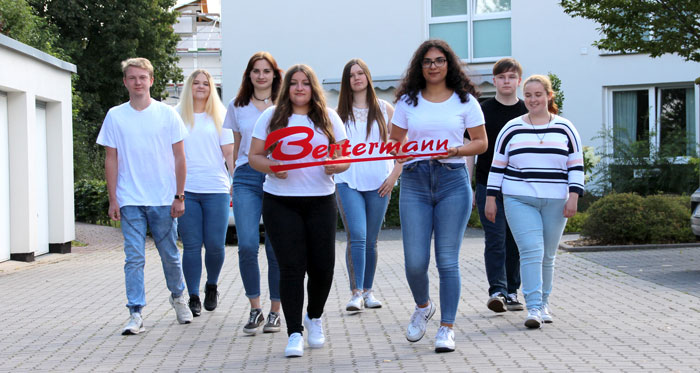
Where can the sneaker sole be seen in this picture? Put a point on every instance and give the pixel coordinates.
(131, 332)
(496, 305)
(519, 307)
(430, 316)
(375, 306)
(293, 354)
(443, 349)
(533, 324)
(184, 322)
(271, 329)
(250, 331)
(547, 321)
(353, 309)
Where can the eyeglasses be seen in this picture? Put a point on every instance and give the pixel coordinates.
(439, 62)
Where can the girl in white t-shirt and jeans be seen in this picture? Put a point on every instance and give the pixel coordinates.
(436, 102)
(363, 191)
(207, 185)
(299, 206)
(259, 88)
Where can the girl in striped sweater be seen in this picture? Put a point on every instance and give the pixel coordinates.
(538, 166)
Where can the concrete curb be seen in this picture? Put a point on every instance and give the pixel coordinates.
(585, 249)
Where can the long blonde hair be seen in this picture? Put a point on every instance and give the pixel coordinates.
(213, 107)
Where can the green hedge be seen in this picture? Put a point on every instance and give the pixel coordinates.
(91, 201)
(627, 218)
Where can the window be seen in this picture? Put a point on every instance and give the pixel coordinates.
(664, 116)
(477, 30)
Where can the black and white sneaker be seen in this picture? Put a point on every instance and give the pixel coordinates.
(211, 297)
(497, 303)
(254, 321)
(195, 305)
(512, 303)
(273, 323)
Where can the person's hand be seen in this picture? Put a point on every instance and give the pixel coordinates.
(113, 211)
(490, 209)
(177, 209)
(387, 186)
(331, 168)
(571, 205)
(279, 174)
(451, 152)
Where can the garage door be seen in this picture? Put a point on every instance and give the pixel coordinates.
(4, 181)
(42, 180)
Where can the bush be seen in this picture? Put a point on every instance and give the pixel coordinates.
(91, 201)
(627, 218)
(575, 223)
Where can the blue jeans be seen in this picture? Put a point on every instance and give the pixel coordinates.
(435, 197)
(247, 209)
(500, 252)
(537, 225)
(204, 223)
(134, 220)
(362, 214)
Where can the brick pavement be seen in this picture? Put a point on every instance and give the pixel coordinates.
(66, 313)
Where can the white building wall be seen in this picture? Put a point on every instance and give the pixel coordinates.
(30, 76)
(323, 34)
(4, 181)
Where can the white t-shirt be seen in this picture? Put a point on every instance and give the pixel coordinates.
(206, 169)
(242, 120)
(365, 176)
(144, 140)
(438, 121)
(309, 181)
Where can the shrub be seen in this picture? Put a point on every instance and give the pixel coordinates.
(627, 218)
(91, 201)
(575, 223)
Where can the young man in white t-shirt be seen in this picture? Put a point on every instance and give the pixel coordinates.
(145, 171)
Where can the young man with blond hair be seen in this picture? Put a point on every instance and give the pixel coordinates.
(145, 171)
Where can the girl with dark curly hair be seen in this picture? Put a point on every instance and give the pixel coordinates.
(436, 102)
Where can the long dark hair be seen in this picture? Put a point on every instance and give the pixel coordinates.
(345, 100)
(317, 105)
(247, 89)
(413, 80)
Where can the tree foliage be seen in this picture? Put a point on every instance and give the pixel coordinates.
(18, 21)
(98, 35)
(655, 27)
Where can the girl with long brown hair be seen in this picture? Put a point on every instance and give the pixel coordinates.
(363, 191)
(259, 88)
(299, 208)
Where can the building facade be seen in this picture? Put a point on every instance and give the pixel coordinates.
(36, 153)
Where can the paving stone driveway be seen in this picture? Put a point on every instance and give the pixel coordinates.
(66, 312)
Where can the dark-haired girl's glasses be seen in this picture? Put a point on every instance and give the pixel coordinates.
(439, 62)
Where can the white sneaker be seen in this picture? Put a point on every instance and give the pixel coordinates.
(419, 320)
(182, 310)
(315, 336)
(370, 300)
(135, 325)
(445, 340)
(356, 303)
(534, 318)
(295, 346)
(546, 314)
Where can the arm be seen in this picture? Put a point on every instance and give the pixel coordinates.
(470, 167)
(111, 174)
(575, 172)
(388, 184)
(257, 157)
(495, 179)
(229, 156)
(237, 138)
(178, 206)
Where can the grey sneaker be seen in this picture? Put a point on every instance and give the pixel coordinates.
(255, 319)
(370, 300)
(546, 314)
(135, 325)
(533, 319)
(419, 320)
(356, 303)
(512, 303)
(182, 309)
(497, 303)
(273, 323)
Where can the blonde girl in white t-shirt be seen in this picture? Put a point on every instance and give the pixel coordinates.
(363, 191)
(299, 204)
(259, 89)
(208, 150)
(436, 102)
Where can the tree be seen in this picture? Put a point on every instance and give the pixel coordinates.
(98, 35)
(18, 21)
(655, 27)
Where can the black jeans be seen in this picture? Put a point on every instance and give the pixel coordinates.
(302, 233)
(501, 252)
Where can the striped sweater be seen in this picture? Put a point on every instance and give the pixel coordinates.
(544, 161)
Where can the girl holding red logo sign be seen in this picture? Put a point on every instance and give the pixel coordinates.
(436, 102)
(259, 88)
(363, 190)
(299, 208)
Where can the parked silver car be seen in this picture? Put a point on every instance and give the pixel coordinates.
(695, 213)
